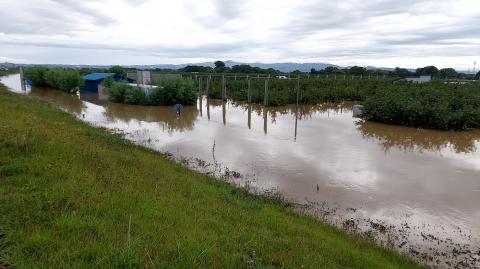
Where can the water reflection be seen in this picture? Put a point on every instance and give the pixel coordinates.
(411, 139)
(165, 116)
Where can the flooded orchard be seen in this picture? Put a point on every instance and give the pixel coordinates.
(411, 189)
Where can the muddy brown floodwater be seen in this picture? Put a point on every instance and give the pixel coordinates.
(415, 190)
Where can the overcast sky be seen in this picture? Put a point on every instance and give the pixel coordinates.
(408, 33)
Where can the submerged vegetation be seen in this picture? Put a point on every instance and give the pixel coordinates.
(169, 91)
(67, 80)
(431, 105)
(440, 104)
(73, 196)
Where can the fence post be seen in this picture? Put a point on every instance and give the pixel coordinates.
(265, 94)
(249, 116)
(298, 89)
(209, 80)
(208, 108)
(249, 90)
(265, 113)
(199, 86)
(224, 88)
(224, 112)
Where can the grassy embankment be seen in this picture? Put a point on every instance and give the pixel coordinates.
(73, 196)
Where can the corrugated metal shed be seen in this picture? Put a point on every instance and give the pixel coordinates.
(98, 76)
(93, 81)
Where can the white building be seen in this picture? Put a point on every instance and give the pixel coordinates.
(420, 79)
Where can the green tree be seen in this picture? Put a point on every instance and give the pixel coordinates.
(37, 75)
(119, 71)
(477, 77)
(401, 72)
(332, 70)
(219, 64)
(447, 73)
(357, 70)
(427, 70)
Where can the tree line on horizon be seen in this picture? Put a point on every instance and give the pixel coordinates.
(444, 73)
(220, 67)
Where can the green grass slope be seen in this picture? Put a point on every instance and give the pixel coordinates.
(73, 196)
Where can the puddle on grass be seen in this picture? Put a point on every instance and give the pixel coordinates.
(415, 190)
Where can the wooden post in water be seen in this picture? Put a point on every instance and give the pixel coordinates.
(298, 90)
(249, 116)
(249, 89)
(209, 80)
(265, 94)
(200, 105)
(265, 113)
(224, 88)
(224, 112)
(199, 86)
(208, 108)
(296, 123)
(22, 79)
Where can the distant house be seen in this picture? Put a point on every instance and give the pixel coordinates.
(420, 79)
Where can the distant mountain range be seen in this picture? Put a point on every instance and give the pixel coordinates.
(283, 67)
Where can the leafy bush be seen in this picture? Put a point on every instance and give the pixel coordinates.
(170, 91)
(431, 105)
(66, 80)
(135, 96)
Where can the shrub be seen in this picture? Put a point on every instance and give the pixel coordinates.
(116, 92)
(431, 105)
(172, 91)
(135, 96)
(66, 80)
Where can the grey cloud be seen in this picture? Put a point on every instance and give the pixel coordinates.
(53, 17)
(349, 24)
(224, 11)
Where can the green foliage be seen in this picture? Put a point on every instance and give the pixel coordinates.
(67, 80)
(447, 73)
(135, 96)
(108, 82)
(37, 75)
(219, 64)
(477, 77)
(357, 70)
(195, 69)
(402, 72)
(431, 105)
(427, 70)
(313, 90)
(170, 91)
(118, 70)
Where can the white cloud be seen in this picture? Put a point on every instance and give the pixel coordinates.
(383, 33)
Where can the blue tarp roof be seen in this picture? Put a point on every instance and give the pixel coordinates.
(98, 76)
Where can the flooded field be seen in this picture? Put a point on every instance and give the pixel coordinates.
(414, 190)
